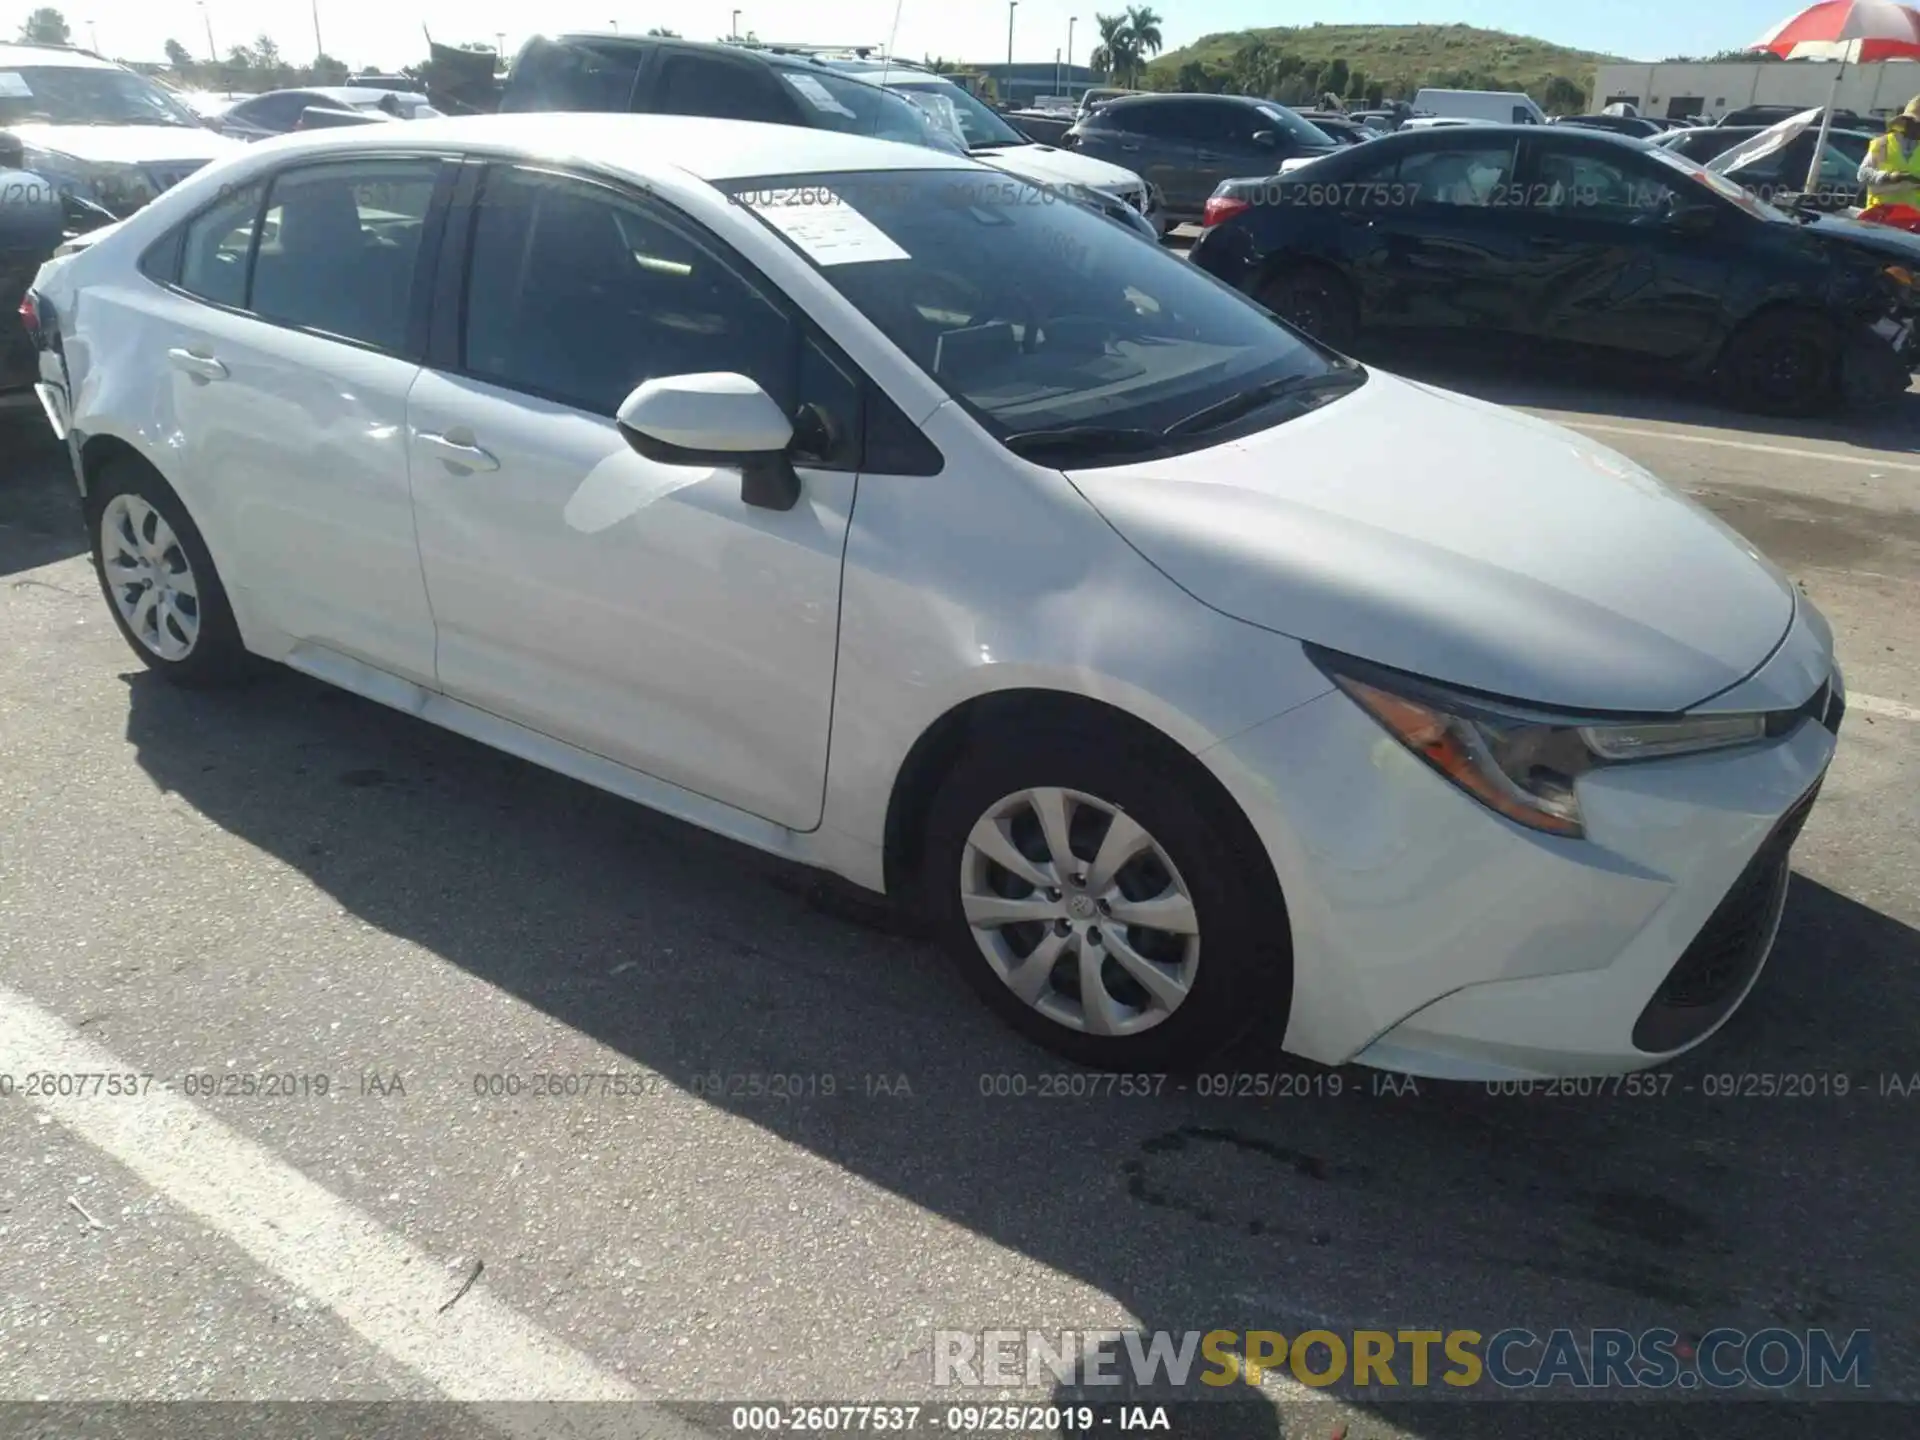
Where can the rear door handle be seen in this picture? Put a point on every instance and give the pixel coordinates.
(199, 366)
(456, 447)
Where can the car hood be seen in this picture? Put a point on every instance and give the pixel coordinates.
(1473, 545)
(1853, 235)
(1051, 166)
(127, 144)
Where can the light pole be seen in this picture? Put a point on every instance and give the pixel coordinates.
(93, 36)
(1056, 72)
(1072, 20)
(736, 25)
(500, 44)
(213, 54)
(1012, 5)
(318, 48)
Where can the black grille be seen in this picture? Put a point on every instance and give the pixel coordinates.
(1713, 971)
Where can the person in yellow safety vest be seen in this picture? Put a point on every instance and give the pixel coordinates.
(1891, 171)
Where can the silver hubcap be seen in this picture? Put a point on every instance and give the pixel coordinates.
(147, 573)
(1080, 911)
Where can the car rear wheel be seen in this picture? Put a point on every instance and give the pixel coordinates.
(1097, 907)
(158, 579)
(1314, 299)
(1783, 363)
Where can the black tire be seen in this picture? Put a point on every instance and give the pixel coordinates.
(1243, 970)
(216, 655)
(1317, 300)
(1784, 362)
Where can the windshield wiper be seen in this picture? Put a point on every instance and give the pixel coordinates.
(997, 144)
(1083, 441)
(1315, 388)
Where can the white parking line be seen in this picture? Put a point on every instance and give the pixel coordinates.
(1874, 705)
(387, 1290)
(1872, 462)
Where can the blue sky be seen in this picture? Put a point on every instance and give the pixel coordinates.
(389, 33)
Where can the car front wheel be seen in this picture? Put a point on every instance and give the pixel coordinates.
(1097, 907)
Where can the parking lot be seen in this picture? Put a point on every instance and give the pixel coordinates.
(822, 1150)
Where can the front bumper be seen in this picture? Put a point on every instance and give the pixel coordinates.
(1434, 938)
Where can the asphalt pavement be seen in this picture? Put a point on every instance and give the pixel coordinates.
(808, 1149)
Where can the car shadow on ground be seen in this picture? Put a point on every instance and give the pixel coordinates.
(1619, 394)
(1348, 1203)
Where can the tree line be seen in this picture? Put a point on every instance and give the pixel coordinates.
(1257, 68)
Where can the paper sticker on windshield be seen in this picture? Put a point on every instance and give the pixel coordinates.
(13, 86)
(821, 97)
(825, 227)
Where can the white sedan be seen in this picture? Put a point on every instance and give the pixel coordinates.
(855, 502)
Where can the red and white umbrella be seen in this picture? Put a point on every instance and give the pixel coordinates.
(1861, 31)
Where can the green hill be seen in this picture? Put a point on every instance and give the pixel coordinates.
(1400, 57)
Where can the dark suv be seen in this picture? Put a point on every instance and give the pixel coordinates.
(1189, 144)
(726, 82)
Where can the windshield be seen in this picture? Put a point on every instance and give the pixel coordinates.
(840, 103)
(1304, 131)
(1033, 312)
(1721, 186)
(978, 125)
(82, 95)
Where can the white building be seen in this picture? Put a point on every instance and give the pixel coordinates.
(1712, 90)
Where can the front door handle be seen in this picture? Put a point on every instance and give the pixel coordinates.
(1207, 157)
(197, 364)
(456, 447)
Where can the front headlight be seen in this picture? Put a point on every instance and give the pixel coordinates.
(118, 186)
(1520, 762)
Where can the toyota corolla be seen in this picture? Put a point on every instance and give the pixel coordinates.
(854, 501)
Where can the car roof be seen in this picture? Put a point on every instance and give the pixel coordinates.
(16, 56)
(1572, 134)
(1133, 100)
(710, 150)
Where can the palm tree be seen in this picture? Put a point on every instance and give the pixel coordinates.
(1143, 28)
(1116, 54)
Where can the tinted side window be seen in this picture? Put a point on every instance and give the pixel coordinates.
(578, 293)
(726, 90)
(1157, 121)
(339, 246)
(570, 76)
(213, 262)
(1589, 186)
(1211, 123)
(1459, 174)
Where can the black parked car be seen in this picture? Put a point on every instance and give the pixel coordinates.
(1774, 165)
(1703, 142)
(1189, 144)
(1343, 128)
(1575, 237)
(724, 82)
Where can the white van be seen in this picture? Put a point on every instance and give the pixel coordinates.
(1502, 107)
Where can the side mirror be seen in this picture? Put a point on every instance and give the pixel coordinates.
(13, 154)
(715, 419)
(1266, 139)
